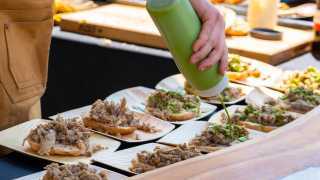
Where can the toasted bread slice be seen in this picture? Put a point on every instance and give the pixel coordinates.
(256, 126)
(63, 150)
(183, 116)
(102, 127)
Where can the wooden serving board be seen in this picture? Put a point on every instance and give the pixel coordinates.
(133, 24)
(290, 149)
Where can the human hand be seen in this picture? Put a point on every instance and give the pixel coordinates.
(210, 47)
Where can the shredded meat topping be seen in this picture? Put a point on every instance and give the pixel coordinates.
(161, 157)
(59, 132)
(229, 94)
(217, 135)
(118, 115)
(164, 103)
(73, 172)
(266, 115)
(300, 99)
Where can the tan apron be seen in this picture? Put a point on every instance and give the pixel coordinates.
(25, 34)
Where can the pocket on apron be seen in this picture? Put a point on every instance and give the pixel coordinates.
(25, 58)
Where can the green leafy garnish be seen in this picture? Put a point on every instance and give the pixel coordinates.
(174, 102)
(243, 139)
(231, 132)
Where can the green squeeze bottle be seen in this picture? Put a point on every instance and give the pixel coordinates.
(180, 26)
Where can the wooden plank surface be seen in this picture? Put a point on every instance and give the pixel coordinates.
(284, 151)
(133, 24)
(115, 21)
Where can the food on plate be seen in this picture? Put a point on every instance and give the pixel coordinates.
(234, 25)
(265, 118)
(229, 94)
(239, 27)
(220, 135)
(66, 137)
(309, 79)
(79, 171)
(160, 157)
(173, 106)
(115, 119)
(239, 70)
(284, 6)
(67, 6)
(300, 100)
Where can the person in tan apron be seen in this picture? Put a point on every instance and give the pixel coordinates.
(25, 35)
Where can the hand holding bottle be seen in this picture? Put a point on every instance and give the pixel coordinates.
(210, 48)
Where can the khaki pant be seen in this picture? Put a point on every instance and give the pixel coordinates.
(25, 34)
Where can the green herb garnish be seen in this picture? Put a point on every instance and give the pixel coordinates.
(225, 108)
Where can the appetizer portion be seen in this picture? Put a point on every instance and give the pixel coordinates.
(173, 106)
(220, 135)
(115, 119)
(300, 100)
(79, 171)
(66, 137)
(238, 70)
(228, 95)
(309, 79)
(67, 6)
(240, 27)
(265, 118)
(160, 157)
(231, 94)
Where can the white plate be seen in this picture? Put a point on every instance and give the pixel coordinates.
(279, 83)
(269, 74)
(216, 118)
(261, 95)
(139, 136)
(187, 132)
(137, 96)
(164, 126)
(122, 159)
(111, 175)
(176, 83)
(13, 137)
(79, 112)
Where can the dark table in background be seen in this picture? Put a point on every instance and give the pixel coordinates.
(84, 68)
